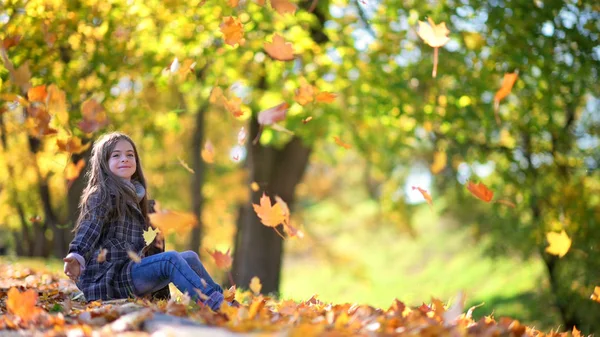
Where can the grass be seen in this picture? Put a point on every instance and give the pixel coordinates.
(373, 265)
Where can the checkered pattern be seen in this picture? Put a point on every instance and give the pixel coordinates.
(110, 279)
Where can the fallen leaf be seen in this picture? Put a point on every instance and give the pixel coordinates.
(559, 243)
(222, 260)
(439, 162)
(283, 6)
(279, 49)
(149, 234)
(255, 285)
(229, 294)
(596, 294)
(274, 114)
(208, 152)
(22, 304)
(480, 191)
(339, 142)
(425, 195)
(233, 30)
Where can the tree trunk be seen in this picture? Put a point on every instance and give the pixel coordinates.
(73, 197)
(259, 249)
(198, 177)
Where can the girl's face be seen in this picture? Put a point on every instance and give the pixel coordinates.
(122, 160)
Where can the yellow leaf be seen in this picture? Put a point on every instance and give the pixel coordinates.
(270, 216)
(57, 104)
(254, 186)
(72, 145)
(434, 35)
(233, 30)
(440, 160)
(172, 221)
(560, 243)
(596, 295)
(255, 285)
(208, 152)
(134, 256)
(149, 234)
(22, 304)
(72, 171)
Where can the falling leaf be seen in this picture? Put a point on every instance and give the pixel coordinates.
(102, 255)
(208, 152)
(241, 137)
(255, 285)
(38, 121)
(233, 3)
(149, 234)
(172, 221)
(505, 203)
(283, 6)
(233, 30)
(425, 195)
(339, 142)
(325, 97)
(37, 94)
(72, 145)
(285, 210)
(254, 186)
(279, 49)
(307, 119)
(22, 304)
(185, 165)
(134, 256)
(233, 105)
(222, 260)
(507, 84)
(270, 216)
(596, 294)
(559, 243)
(439, 162)
(292, 231)
(73, 170)
(94, 116)
(274, 114)
(480, 191)
(216, 95)
(435, 36)
(57, 104)
(305, 94)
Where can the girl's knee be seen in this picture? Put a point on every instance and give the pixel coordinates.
(172, 256)
(189, 254)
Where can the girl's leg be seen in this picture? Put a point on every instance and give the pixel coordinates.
(194, 261)
(156, 271)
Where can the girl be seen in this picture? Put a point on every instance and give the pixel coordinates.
(114, 214)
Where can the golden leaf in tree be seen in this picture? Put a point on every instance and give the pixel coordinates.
(72, 171)
(325, 97)
(273, 115)
(596, 294)
(172, 221)
(339, 142)
(283, 6)
(38, 121)
(559, 243)
(439, 162)
(57, 104)
(11, 41)
(304, 94)
(480, 191)
(270, 216)
(507, 84)
(222, 260)
(233, 30)
(425, 195)
(149, 234)
(208, 152)
(22, 75)
(94, 116)
(134, 256)
(37, 94)
(102, 255)
(435, 36)
(279, 49)
(72, 145)
(255, 285)
(22, 304)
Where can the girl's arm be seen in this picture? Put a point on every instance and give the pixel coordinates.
(89, 230)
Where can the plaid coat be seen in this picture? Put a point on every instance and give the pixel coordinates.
(110, 279)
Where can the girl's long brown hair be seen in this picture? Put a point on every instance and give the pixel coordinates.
(102, 183)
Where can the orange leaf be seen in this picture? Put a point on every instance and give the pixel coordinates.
(216, 94)
(11, 41)
(94, 116)
(480, 191)
(283, 6)
(304, 94)
(72, 145)
(339, 142)
(173, 221)
(208, 152)
(57, 103)
(233, 30)
(425, 195)
(260, 2)
(434, 35)
(270, 216)
(233, 3)
(273, 115)
(222, 260)
(507, 84)
(72, 171)
(325, 97)
(279, 49)
(596, 294)
(23, 304)
(229, 294)
(233, 105)
(37, 94)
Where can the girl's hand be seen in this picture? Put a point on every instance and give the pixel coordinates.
(72, 268)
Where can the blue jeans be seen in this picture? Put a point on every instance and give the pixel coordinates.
(183, 269)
